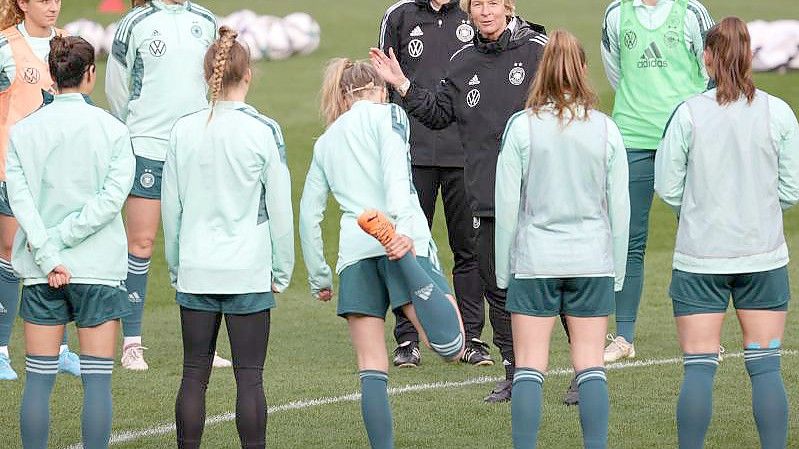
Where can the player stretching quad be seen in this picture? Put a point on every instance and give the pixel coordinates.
(157, 55)
(70, 168)
(729, 166)
(562, 211)
(652, 50)
(424, 35)
(486, 82)
(228, 229)
(361, 159)
(28, 26)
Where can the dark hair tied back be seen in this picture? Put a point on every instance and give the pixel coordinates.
(69, 59)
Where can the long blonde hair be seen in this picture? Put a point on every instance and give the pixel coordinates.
(10, 14)
(345, 81)
(226, 63)
(562, 81)
(730, 47)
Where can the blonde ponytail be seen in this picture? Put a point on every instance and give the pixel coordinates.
(346, 81)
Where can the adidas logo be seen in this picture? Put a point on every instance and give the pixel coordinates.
(474, 81)
(134, 297)
(652, 58)
(424, 292)
(416, 32)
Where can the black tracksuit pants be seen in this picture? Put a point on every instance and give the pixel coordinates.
(458, 215)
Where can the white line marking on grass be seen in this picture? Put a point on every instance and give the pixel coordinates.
(133, 435)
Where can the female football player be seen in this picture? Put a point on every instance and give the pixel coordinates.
(70, 168)
(729, 166)
(562, 211)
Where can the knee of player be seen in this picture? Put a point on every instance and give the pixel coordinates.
(141, 245)
(451, 350)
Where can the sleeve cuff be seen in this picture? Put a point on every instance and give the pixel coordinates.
(48, 257)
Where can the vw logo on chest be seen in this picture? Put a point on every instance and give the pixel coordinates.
(473, 98)
(416, 48)
(157, 48)
(31, 75)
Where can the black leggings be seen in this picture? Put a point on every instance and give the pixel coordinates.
(249, 335)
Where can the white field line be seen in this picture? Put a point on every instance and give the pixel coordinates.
(133, 435)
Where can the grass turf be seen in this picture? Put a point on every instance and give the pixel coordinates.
(309, 352)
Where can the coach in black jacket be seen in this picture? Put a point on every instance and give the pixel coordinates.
(487, 81)
(424, 34)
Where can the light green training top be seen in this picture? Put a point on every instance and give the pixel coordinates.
(728, 171)
(155, 70)
(226, 203)
(697, 23)
(363, 159)
(562, 200)
(657, 73)
(70, 169)
(8, 68)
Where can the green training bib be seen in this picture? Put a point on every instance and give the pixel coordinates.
(658, 73)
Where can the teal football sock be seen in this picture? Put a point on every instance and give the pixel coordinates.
(592, 384)
(626, 329)
(9, 300)
(138, 269)
(436, 313)
(526, 407)
(34, 414)
(695, 405)
(769, 400)
(375, 409)
(97, 404)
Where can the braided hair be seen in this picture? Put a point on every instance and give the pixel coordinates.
(10, 14)
(226, 64)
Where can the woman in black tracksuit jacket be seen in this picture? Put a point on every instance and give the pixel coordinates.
(487, 81)
(424, 34)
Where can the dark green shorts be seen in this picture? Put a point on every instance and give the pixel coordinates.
(694, 293)
(147, 182)
(5, 205)
(372, 286)
(88, 305)
(579, 297)
(238, 304)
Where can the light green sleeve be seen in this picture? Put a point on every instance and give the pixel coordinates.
(312, 210)
(618, 198)
(698, 22)
(611, 54)
(46, 252)
(118, 72)
(171, 209)
(277, 180)
(511, 169)
(395, 163)
(785, 132)
(6, 62)
(671, 160)
(107, 203)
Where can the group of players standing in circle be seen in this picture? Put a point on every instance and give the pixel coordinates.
(546, 199)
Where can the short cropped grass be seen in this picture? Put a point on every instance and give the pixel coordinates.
(309, 352)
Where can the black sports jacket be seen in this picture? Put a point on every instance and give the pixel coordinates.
(486, 83)
(423, 40)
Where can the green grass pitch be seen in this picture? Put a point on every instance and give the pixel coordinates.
(309, 353)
